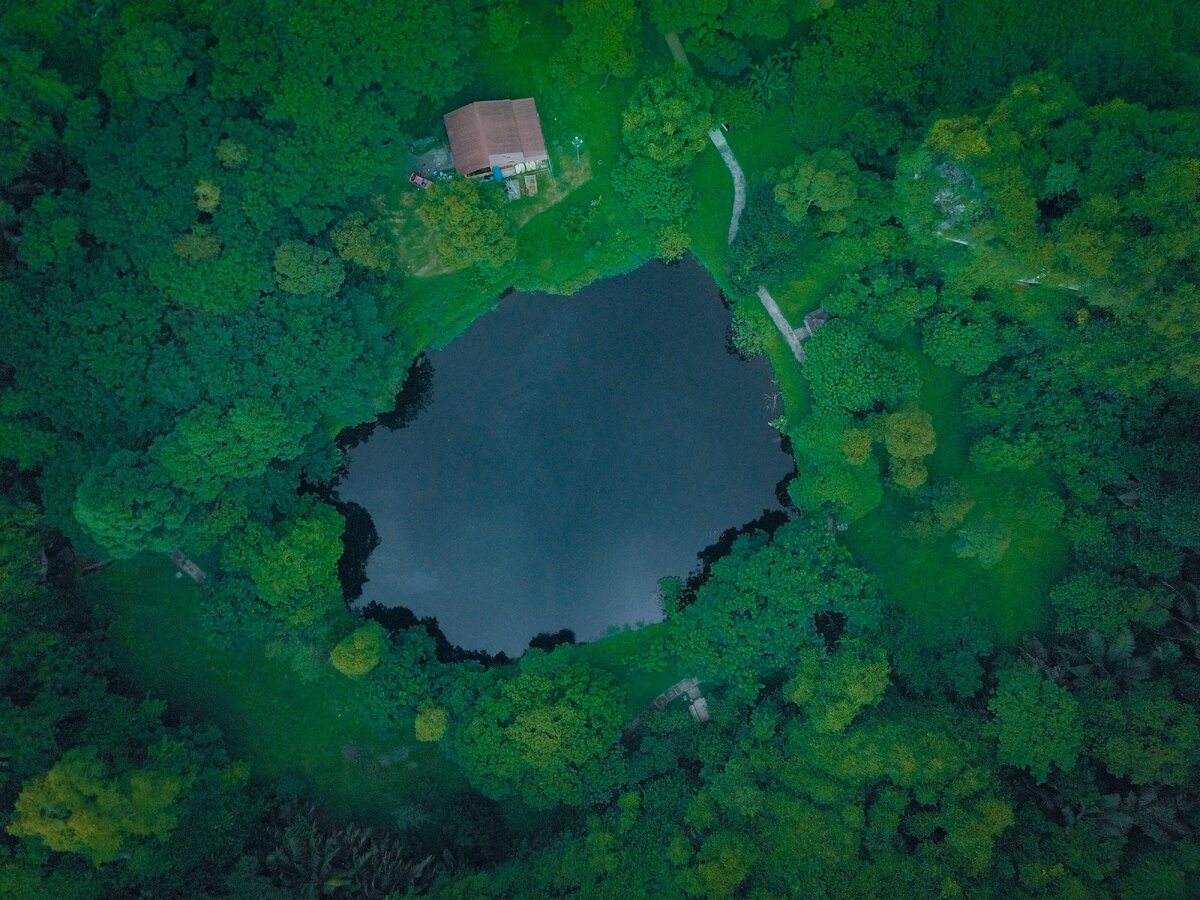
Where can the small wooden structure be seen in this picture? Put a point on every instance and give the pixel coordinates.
(812, 322)
(697, 705)
(187, 567)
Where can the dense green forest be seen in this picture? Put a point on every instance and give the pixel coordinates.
(967, 665)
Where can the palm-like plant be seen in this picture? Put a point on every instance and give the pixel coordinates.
(1183, 621)
(1158, 813)
(314, 859)
(1045, 659)
(1116, 658)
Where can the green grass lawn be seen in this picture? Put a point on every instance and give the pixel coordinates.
(306, 730)
(767, 144)
(927, 578)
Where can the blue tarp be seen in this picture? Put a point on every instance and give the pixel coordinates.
(497, 174)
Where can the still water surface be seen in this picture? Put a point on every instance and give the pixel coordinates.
(575, 450)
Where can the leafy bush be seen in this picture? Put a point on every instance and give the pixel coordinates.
(360, 652)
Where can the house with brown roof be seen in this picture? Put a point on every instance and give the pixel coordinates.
(496, 138)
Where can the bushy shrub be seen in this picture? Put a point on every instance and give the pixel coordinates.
(360, 652)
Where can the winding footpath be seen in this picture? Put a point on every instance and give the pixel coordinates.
(793, 339)
(739, 181)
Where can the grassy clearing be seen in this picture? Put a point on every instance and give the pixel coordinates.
(931, 582)
(709, 225)
(927, 578)
(767, 144)
(305, 729)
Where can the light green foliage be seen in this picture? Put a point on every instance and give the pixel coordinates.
(294, 572)
(672, 242)
(909, 434)
(1037, 722)
(210, 446)
(1046, 190)
(602, 39)
(364, 242)
(983, 540)
(909, 438)
(548, 735)
(856, 445)
(431, 724)
(821, 188)
(77, 808)
(180, 339)
(360, 651)
(723, 864)
(668, 118)
(849, 482)
(833, 688)
(469, 224)
(301, 268)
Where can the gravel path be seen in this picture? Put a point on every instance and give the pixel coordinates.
(739, 179)
(677, 48)
(739, 204)
(781, 322)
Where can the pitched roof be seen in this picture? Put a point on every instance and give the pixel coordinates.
(490, 128)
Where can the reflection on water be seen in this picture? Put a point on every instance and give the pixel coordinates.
(577, 450)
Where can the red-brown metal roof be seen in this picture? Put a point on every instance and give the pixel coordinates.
(490, 128)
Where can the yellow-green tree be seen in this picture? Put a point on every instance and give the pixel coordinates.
(359, 652)
(77, 808)
(468, 223)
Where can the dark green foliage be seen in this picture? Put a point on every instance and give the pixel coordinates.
(768, 245)
(996, 200)
(762, 603)
(848, 370)
(658, 193)
(314, 858)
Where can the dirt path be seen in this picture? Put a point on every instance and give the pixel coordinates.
(722, 145)
(677, 48)
(739, 179)
(739, 204)
(781, 322)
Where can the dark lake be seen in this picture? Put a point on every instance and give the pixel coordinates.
(574, 450)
